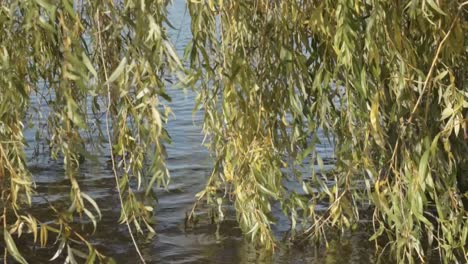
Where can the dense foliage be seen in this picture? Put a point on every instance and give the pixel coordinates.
(384, 81)
(99, 67)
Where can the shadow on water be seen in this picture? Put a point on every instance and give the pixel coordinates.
(189, 164)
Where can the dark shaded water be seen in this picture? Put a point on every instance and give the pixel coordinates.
(189, 165)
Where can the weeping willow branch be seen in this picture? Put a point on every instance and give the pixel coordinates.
(279, 82)
(62, 50)
(433, 64)
(354, 71)
(109, 137)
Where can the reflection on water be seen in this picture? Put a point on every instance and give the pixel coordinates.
(189, 164)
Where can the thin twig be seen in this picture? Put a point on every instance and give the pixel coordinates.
(434, 62)
(109, 102)
(426, 83)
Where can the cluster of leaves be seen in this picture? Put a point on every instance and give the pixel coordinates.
(385, 80)
(99, 67)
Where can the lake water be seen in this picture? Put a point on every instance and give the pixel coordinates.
(190, 164)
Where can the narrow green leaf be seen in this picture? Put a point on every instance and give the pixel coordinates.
(118, 71)
(11, 247)
(89, 65)
(436, 7)
(423, 165)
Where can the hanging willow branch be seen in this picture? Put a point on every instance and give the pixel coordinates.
(383, 81)
(61, 51)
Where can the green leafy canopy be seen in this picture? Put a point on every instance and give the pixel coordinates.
(384, 81)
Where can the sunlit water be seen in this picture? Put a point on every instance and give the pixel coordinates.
(190, 164)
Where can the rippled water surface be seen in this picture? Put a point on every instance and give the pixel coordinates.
(190, 164)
